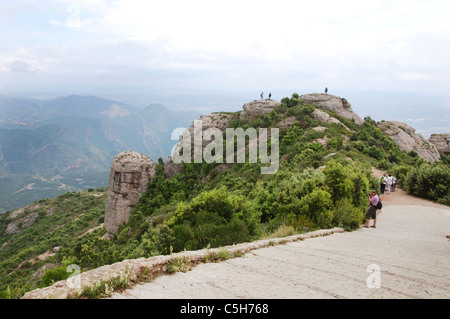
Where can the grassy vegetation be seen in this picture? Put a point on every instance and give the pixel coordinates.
(58, 221)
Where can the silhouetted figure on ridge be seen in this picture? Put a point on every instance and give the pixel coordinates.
(326, 90)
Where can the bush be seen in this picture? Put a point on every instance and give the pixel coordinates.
(337, 180)
(316, 207)
(53, 275)
(359, 185)
(347, 216)
(431, 181)
(292, 133)
(217, 217)
(400, 172)
(375, 152)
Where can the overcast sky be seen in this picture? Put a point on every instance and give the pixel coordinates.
(401, 45)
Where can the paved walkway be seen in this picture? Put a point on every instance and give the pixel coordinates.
(406, 256)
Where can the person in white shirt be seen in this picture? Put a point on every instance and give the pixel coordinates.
(389, 183)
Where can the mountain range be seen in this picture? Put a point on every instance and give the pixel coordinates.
(74, 138)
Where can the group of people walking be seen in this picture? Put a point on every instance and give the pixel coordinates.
(388, 183)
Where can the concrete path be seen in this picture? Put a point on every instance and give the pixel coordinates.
(406, 256)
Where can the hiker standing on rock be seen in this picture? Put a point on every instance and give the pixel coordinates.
(372, 211)
(262, 95)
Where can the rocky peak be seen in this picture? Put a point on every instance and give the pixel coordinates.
(333, 103)
(128, 179)
(407, 140)
(442, 142)
(258, 108)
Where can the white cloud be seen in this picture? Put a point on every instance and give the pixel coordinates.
(74, 18)
(346, 42)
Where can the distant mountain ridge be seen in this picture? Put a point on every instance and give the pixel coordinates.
(78, 135)
(26, 111)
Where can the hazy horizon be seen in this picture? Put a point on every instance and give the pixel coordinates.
(427, 114)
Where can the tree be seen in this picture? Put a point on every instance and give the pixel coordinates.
(337, 180)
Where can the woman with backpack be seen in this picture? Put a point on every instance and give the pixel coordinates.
(374, 200)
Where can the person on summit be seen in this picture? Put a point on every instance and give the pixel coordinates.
(262, 95)
(372, 211)
(326, 90)
(270, 95)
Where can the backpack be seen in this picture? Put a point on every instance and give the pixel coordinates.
(379, 205)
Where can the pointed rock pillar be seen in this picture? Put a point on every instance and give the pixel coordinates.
(128, 179)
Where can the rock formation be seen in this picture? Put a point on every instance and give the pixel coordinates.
(20, 224)
(130, 174)
(287, 122)
(442, 142)
(258, 108)
(407, 140)
(324, 117)
(21, 219)
(333, 103)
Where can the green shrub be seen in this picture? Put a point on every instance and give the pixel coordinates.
(400, 172)
(347, 216)
(217, 217)
(53, 275)
(359, 185)
(292, 133)
(337, 180)
(375, 152)
(316, 207)
(429, 180)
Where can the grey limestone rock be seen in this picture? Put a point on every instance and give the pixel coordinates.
(333, 103)
(442, 142)
(407, 140)
(258, 108)
(128, 179)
